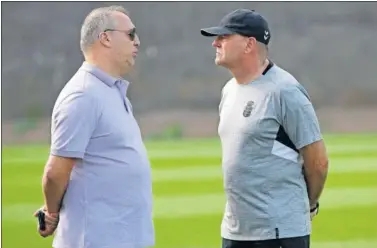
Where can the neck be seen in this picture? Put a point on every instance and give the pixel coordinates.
(104, 64)
(247, 72)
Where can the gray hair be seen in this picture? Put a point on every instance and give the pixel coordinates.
(96, 22)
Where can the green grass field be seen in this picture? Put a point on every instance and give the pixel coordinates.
(189, 198)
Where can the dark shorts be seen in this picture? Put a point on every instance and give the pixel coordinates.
(296, 242)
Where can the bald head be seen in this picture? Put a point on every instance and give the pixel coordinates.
(96, 22)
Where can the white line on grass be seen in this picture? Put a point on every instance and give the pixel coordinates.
(318, 244)
(346, 244)
(210, 172)
(198, 152)
(197, 173)
(187, 173)
(180, 206)
(208, 204)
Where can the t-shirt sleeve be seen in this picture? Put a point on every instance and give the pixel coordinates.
(299, 119)
(72, 125)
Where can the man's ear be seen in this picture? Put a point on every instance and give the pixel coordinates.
(251, 43)
(105, 39)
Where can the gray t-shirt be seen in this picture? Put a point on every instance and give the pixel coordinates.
(262, 126)
(108, 202)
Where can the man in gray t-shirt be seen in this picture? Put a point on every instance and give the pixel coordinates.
(274, 159)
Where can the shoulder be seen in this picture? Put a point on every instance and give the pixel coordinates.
(287, 87)
(82, 89)
(228, 86)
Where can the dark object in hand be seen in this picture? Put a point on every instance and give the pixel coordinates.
(41, 220)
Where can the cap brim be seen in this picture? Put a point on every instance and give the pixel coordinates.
(215, 31)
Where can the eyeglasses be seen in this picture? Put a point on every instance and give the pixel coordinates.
(131, 33)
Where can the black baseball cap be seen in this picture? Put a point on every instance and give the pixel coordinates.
(244, 22)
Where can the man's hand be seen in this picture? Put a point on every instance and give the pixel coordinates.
(51, 220)
(314, 210)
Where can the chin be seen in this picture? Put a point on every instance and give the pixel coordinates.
(219, 62)
(132, 61)
(131, 64)
(128, 64)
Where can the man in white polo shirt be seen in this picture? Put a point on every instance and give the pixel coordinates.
(98, 166)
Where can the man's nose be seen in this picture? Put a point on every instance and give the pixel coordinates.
(137, 41)
(215, 43)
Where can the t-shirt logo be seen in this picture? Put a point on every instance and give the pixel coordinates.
(248, 108)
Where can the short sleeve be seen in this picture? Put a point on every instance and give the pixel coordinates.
(299, 119)
(73, 122)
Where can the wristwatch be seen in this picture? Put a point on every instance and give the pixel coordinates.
(315, 210)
